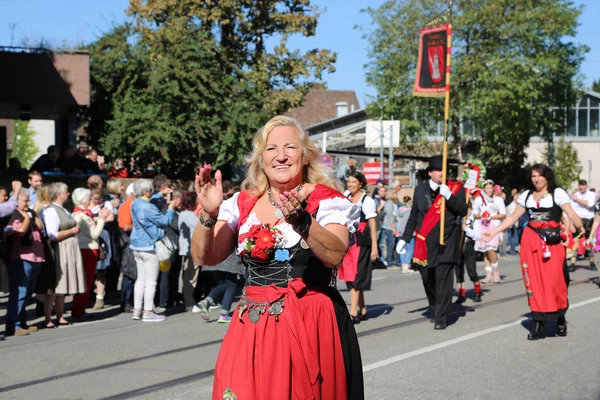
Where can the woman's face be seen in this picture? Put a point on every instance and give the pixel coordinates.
(121, 189)
(282, 159)
(23, 203)
(85, 203)
(539, 182)
(94, 200)
(62, 198)
(489, 189)
(353, 185)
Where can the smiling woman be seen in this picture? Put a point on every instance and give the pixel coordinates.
(291, 336)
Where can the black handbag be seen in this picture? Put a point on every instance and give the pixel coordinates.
(549, 235)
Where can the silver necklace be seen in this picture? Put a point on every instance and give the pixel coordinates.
(277, 212)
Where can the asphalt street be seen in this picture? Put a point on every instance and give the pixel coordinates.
(483, 354)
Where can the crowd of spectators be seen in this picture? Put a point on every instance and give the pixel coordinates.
(79, 247)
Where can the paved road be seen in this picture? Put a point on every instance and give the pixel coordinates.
(484, 354)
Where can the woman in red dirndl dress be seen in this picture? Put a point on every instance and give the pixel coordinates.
(543, 249)
(291, 336)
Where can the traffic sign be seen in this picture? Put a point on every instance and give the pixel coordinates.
(326, 159)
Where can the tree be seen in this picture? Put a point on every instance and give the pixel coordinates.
(567, 167)
(512, 62)
(24, 147)
(192, 81)
(596, 86)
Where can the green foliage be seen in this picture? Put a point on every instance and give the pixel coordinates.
(596, 86)
(192, 81)
(24, 147)
(511, 62)
(567, 167)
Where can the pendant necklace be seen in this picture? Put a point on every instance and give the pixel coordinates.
(277, 212)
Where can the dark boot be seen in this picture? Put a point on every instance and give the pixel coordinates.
(593, 266)
(462, 296)
(572, 267)
(539, 331)
(478, 297)
(561, 326)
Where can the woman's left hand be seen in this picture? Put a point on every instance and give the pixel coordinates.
(292, 206)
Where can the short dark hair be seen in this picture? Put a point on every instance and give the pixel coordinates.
(34, 173)
(547, 173)
(582, 182)
(189, 201)
(359, 177)
(406, 199)
(159, 181)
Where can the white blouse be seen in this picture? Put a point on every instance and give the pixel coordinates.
(331, 211)
(368, 206)
(495, 207)
(560, 197)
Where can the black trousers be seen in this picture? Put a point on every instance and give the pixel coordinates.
(439, 283)
(469, 260)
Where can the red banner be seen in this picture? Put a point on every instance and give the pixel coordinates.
(372, 171)
(432, 65)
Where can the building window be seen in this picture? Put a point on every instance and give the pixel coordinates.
(582, 120)
(594, 122)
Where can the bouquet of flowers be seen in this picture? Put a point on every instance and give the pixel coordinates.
(262, 243)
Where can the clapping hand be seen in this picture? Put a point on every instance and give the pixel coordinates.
(210, 195)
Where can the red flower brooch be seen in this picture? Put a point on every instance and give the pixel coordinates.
(261, 242)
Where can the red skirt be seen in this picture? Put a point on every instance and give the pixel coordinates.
(544, 278)
(298, 357)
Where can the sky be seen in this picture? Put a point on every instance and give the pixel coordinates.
(83, 21)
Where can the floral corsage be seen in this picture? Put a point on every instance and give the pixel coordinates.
(263, 243)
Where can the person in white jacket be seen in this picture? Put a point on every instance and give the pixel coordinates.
(89, 233)
(489, 211)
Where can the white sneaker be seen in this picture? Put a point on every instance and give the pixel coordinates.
(137, 315)
(196, 309)
(153, 318)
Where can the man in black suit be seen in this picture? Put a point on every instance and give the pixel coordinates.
(437, 275)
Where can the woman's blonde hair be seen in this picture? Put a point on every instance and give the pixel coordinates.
(113, 185)
(42, 199)
(314, 172)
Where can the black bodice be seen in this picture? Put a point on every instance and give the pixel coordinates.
(302, 264)
(544, 214)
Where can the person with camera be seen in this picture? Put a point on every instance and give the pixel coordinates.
(25, 255)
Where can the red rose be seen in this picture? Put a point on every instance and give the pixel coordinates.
(259, 254)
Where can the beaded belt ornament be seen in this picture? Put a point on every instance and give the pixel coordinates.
(255, 309)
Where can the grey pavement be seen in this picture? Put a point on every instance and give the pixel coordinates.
(483, 354)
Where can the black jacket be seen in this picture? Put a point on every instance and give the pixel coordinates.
(456, 207)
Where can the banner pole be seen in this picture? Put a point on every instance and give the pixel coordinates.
(446, 119)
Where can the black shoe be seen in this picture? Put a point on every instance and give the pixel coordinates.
(539, 331)
(1, 337)
(572, 268)
(355, 319)
(593, 266)
(363, 317)
(561, 326)
(460, 300)
(439, 326)
(477, 298)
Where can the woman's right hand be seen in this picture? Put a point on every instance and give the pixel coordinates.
(488, 236)
(75, 230)
(210, 195)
